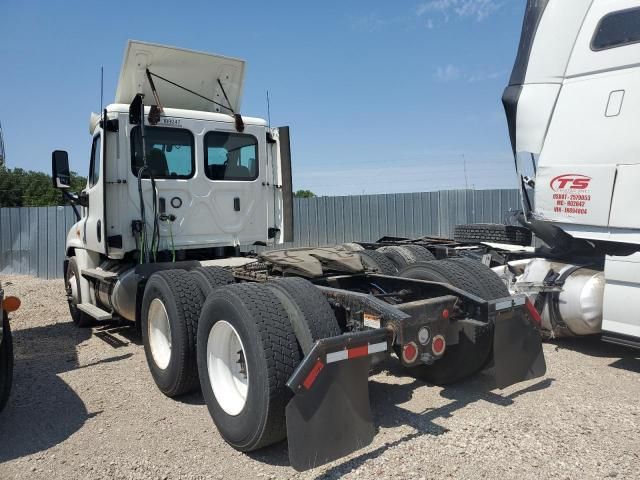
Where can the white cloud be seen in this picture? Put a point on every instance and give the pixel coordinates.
(447, 73)
(487, 75)
(451, 73)
(368, 23)
(477, 9)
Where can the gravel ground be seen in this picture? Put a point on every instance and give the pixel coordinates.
(85, 406)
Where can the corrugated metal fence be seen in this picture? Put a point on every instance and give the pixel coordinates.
(32, 238)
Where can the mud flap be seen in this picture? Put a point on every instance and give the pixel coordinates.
(517, 349)
(333, 417)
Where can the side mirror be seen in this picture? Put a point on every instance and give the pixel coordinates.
(60, 169)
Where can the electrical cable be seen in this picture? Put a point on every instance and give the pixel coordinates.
(173, 247)
(143, 246)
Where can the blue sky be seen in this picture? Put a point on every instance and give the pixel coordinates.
(381, 96)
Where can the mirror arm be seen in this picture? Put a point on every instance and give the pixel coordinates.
(73, 200)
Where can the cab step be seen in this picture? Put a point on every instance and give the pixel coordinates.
(98, 274)
(94, 312)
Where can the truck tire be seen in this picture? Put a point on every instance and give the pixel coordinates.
(74, 296)
(377, 261)
(211, 277)
(445, 271)
(309, 311)
(492, 232)
(171, 307)
(247, 350)
(403, 255)
(467, 357)
(352, 246)
(6, 362)
(493, 285)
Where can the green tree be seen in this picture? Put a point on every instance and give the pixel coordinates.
(20, 188)
(304, 194)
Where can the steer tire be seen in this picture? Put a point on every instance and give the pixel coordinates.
(403, 255)
(178, 293)
(466, 357)
(309, 311)
(80, 318)
(211, 277)
(378, 262)
(6, 361)
(270, 352)
(492, 232)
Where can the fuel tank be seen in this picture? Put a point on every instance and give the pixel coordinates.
(569, 297)
(120, 295)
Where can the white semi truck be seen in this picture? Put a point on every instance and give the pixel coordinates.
(281, 342)
(571, 107)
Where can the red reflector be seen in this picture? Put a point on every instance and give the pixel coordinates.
(356, 352)
(535, 316)
(313, 374)
(10, 304)
(445, 313)
(438, 344)
(409, 352)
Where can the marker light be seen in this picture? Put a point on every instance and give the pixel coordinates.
(10, 304)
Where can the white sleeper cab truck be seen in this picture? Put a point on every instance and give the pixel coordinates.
(572, 108)
(281, 342)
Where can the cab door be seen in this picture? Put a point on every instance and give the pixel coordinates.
(93, 231)
(235, 171)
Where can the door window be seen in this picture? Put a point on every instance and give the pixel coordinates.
(169, 152)
(231, 156)
(94, 164)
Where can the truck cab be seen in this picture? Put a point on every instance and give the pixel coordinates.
(215, 187)
(184, 177)
(571, 107)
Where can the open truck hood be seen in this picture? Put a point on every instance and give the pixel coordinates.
(196, 71)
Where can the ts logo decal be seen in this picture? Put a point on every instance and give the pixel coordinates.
(570, 181)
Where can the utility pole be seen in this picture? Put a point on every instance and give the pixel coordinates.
(464, 166)
(2, 153)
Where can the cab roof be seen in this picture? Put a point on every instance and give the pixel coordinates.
(190, 114)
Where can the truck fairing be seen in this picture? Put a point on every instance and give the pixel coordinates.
(213, 76)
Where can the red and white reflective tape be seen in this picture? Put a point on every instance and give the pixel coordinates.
(346, 354)
(355, 352)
